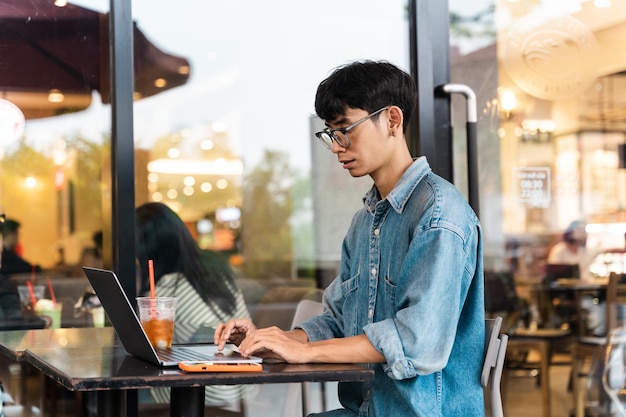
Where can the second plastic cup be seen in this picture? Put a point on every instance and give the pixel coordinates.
(49, 311)
(157, 319)
(26, 299)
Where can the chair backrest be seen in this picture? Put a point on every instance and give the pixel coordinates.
(495, 351)
(278, 305)
(305, 310)
(500, 293)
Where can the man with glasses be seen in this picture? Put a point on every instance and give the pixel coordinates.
(409, 296)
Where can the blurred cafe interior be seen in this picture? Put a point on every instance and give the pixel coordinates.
(210, 110)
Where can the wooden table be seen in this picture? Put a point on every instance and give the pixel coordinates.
(578, 285)
(579, 289)
(14, 343)
(22, 324)
(91, 360)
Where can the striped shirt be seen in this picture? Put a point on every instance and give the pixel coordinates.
(191, 314)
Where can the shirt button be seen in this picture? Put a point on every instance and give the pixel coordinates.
(373, 271)
(376, 232)
(370, 313)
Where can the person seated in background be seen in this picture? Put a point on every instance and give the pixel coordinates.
(92, 256)
(571, 250)
(10, 308)
(10, 311)
(201, 280)
(12, 261)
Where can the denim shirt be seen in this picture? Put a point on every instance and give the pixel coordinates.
(411, 279)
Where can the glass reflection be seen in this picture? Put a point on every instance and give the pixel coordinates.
(223, 126)
(241, 128)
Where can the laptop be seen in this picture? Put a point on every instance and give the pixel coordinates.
(134, 339)
(554, 272)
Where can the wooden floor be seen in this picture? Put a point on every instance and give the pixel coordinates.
(523, 396)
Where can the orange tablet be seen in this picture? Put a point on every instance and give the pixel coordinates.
(220, 367)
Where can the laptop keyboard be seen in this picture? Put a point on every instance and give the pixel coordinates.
(179, 354)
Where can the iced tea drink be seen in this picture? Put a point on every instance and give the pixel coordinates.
(160, 332)
(157, 319)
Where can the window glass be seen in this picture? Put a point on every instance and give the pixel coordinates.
(232, 150)
(55, 125)
(54, 141)
(548, 80)
(223, 127)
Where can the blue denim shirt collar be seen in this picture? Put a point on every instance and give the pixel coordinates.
(401, 193)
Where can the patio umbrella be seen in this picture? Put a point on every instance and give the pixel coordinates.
(52, 58)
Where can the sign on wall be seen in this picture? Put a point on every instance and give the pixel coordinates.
(532, 185)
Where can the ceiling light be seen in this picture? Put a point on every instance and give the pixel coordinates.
(206, 145)
(31, 182)
(12, 121)
(222, 184)
(218, 126)
(55, 96)
(206, 187)
(220, 167)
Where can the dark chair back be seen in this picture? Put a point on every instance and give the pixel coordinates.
(500, 294)
(501, 299)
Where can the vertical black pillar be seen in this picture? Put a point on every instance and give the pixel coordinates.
(122, 147)
(431, 131)
(122, 155)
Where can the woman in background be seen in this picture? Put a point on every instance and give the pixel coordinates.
(201, 280)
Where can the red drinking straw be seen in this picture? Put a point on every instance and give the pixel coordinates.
(31, 292)
(54, 300)
(151, 275)
(152, 289)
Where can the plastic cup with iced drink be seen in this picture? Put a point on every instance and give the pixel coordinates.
(50, 312)
(157, 319)
(97, 315)
(28, 299)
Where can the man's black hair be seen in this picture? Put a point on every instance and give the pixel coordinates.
(367, 85)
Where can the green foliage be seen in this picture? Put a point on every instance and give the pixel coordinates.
(477, 25)
(266, 215)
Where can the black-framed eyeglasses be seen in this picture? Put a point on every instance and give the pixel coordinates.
(340, 135)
